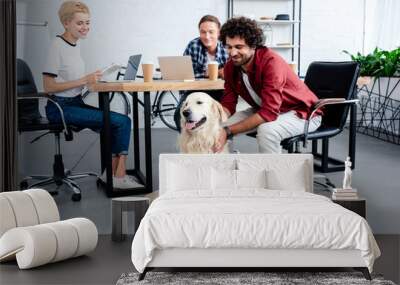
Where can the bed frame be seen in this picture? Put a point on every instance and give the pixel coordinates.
(251, 259)
(236, 259)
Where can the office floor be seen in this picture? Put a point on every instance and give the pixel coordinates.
(102, 266)
(109, 260)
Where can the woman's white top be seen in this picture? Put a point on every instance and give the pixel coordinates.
(64, 63)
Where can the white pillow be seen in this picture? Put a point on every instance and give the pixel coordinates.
(223, 179)
(293, 178)
(251, 178)
(183, 177)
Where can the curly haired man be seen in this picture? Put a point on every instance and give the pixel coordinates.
(279, 100)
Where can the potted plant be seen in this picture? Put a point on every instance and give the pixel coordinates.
(379, 63)
(379, 93)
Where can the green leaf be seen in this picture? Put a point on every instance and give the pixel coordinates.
(378, 63)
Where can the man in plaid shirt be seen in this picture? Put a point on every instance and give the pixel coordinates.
(201, 56)
(202, 50)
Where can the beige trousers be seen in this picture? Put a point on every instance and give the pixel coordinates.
(270, 134)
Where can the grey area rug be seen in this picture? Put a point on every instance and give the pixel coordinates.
(243, 278)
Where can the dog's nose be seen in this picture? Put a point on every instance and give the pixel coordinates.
(186, 113)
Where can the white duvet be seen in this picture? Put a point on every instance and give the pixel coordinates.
(253, 218)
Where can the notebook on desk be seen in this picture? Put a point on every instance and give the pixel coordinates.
(177, 68)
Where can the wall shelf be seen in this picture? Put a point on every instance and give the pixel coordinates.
(282, 46)
(277, 22)
(275, 31)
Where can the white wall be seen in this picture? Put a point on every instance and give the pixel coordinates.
(382, 24)
(328, 27)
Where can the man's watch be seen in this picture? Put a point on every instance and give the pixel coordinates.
(229, 134)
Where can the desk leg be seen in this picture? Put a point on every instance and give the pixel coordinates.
(135, 134)
(105, 141)
(352, 135)
(147, 141)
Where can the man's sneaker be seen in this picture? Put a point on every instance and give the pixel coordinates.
(125, 183)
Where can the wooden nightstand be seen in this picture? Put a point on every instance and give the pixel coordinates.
(358, 206)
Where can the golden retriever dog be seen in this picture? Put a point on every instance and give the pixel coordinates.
(201, 124)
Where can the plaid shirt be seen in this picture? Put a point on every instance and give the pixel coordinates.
(198, 52)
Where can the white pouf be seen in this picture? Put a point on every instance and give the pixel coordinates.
(31, 232)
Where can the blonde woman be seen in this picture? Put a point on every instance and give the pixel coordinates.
(64, 77)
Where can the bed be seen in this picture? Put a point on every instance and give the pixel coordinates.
(245, 211)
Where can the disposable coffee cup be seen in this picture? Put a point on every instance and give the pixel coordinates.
(213, 70)
(147, 71)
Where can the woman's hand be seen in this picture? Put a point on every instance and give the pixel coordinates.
(92, 77)
(51, 86)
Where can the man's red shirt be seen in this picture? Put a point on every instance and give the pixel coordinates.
(275, 83)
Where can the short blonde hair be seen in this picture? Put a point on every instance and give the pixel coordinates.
(69, 8)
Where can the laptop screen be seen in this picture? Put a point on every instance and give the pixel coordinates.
(132, 67)
(176, 67)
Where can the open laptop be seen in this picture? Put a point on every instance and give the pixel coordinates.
(130, 71)
(176, 67)
(132, 67)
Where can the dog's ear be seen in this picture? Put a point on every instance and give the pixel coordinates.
(183, 105)
(220, 110)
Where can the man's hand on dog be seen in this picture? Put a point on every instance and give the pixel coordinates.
(219, 145)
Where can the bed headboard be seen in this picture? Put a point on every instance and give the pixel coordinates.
(283, 171)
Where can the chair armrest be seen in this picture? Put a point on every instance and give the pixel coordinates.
(321, 103)
(330, 101)
(40, 95)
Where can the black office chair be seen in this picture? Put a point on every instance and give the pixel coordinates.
(29, 120)
(334, 83)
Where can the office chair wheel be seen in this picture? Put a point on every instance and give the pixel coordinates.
(23, 185)
(76, 197)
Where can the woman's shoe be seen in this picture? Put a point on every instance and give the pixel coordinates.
(125, 183)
